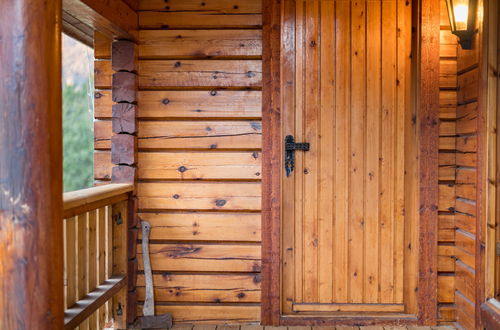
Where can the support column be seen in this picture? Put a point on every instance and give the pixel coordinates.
(31, 227)
(124, 148)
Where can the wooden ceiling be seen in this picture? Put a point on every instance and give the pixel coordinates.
(113, 18)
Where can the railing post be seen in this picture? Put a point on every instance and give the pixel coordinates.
(120, 239)
(31, 230)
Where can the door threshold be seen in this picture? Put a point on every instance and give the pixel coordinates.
(348, 319)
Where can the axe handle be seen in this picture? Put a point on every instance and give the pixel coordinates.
(149, 301)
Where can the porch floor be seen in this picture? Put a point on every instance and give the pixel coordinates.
(258, 327)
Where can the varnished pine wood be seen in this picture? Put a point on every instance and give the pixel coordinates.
(85, 308)
(200, 196)
(188, 73)
(207, 135)
(198, 19)
(200, 165)
(198, 226)
(218, 288)
(204, 257)
(113, 18)
(200, 43)
(329, 241)
(31, 234)
(428, 80)
(80, 201)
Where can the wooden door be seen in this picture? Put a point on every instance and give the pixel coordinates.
(346, 70)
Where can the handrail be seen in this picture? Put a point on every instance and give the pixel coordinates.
(80, 201)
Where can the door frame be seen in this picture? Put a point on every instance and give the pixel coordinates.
(426, 120)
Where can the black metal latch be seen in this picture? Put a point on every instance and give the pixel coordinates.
(290, 147)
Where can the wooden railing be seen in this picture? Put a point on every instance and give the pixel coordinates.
(95, 256)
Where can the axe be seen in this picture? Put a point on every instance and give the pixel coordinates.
(149, 320)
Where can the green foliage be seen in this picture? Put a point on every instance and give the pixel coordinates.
(78, 136)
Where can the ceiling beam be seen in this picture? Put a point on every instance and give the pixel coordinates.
(114, 18)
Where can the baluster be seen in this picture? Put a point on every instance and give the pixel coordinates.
(120, 213)
(70, 260)
(92, 260)
(101, 242)
(82, 261)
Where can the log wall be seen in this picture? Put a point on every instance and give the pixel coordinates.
(199, 154)
(467, 194)
(447, 168)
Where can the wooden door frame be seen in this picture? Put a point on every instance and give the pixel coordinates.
(426, 90)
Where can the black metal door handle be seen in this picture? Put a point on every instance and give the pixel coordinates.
(290, 147)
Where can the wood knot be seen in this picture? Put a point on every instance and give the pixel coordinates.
(256, 126)
(220, 202)
(312, 43)
(235, 7)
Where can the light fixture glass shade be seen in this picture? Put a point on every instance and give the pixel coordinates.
(462, 14)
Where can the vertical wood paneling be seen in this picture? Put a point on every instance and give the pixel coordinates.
(299, 182)
(311, 168)
(326, 145)
(387, 149)
(357, 157)
(403, 108)
(373, 141)
(341, 184)
(288, 102)
(344, 211)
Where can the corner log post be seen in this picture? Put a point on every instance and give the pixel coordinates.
(31, 227)
(124, 150)
(428, 154)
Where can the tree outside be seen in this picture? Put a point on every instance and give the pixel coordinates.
(78, 132)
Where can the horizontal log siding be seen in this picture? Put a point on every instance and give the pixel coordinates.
(466, 185)
(199, 161)
(447, 169)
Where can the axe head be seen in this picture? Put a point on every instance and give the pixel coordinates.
(163, 321)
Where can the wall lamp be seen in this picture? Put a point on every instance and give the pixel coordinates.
(462, 15)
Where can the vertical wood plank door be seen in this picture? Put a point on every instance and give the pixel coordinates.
(346, 82)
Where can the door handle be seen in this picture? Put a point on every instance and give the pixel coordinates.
(290, 148)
